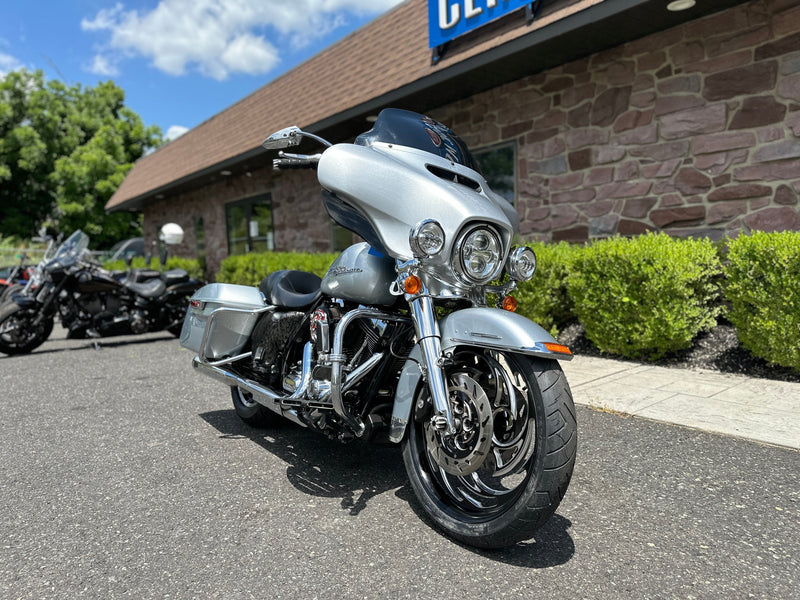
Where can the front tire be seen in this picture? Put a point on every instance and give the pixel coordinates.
(14, 288)
(504, 473)
(18, 334)
(251, 412)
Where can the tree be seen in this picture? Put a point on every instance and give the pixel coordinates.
(63, 152)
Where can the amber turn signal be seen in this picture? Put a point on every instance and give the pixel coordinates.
(558, 348)
(509, 303)
(412, 285)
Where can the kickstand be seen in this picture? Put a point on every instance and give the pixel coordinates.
(96, 345)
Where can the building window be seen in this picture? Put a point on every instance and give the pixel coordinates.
(249, 225)
(498, 169)
(200, 237)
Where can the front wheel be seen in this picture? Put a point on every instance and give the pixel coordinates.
(14, 288)
(506, 469)
(18, 333)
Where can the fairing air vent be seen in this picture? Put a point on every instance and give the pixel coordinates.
(455, 177)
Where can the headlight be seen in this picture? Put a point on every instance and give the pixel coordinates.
(427, 238)
(478, 255)
(521, 264)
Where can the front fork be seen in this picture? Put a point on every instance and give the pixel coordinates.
(430, 340)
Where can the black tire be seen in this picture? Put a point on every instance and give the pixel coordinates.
(516, 468)
(17, 334)
(177, 313)
(14, 288)
(251, 412)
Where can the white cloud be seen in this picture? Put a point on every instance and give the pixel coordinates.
(175, 131)
(219, 37)
(104, 66)
(8, 63)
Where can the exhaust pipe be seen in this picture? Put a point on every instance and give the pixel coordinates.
(263, 395)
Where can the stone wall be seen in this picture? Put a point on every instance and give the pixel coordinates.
(694, 131)
(299, 220)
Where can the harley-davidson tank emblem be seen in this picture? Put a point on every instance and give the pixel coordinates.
(336, 271)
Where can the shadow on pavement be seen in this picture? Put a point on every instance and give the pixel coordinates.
(358, 472)
(321, 467)
(95, 344)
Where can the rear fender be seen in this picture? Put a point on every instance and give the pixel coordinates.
(489, 328)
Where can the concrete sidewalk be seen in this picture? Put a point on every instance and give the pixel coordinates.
(756, 409)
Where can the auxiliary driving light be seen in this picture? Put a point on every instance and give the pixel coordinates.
(427, 238)
(521, 263)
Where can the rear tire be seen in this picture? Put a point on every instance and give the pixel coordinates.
(17, 332)
(251, 412)
(505, 472)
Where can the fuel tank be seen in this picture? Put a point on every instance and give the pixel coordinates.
(97, 281)
(361, 274)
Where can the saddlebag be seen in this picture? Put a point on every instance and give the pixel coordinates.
(229, 312)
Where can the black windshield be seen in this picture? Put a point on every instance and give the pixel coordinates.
(406, 128)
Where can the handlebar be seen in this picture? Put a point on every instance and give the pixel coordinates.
(295, 161)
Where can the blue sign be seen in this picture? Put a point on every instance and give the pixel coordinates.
(448, 19)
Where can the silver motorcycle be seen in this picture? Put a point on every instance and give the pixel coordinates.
(399, 341)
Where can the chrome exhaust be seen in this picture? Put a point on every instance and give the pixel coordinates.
(263, 395)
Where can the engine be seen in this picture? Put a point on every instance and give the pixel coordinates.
(373, 352)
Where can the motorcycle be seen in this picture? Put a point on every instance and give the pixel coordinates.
(15, 278)
(91, 301)
(398, 342)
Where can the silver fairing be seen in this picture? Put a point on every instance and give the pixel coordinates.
(395, 187)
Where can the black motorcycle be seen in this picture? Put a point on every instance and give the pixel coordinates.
(91, 301)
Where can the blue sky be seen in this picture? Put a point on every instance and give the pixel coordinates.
(179, 61)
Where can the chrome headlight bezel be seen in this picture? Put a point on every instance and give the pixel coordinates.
(423, 234)
(521, 263)
(460, 260)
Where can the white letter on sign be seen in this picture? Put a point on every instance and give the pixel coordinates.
(454, 14)
(470, 10)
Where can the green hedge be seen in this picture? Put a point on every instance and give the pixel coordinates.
(250, 269)
(544, 298)
(642, 297)
(194, 267)
(763, 289)
(648, 296)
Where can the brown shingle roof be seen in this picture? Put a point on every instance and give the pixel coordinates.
(389, 59)
(384, 55)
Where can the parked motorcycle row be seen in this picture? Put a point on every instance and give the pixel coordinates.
(410, 337)
(90, 301)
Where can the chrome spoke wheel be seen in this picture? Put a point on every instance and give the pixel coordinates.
(503, 472)
(485, 463)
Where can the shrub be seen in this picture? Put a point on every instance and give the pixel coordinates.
(544, 298)
(193, 266)
(648, 296)
(763, 289)
(250, 269)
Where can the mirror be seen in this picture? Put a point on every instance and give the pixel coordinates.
(285, 138)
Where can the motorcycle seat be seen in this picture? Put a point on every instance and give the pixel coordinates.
(148, 289)
(174, 276)
(141, 275)
(291, 289)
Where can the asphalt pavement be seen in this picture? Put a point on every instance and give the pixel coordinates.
(125, 474)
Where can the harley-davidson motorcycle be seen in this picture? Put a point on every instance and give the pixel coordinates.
(399, 341)
(91, 301)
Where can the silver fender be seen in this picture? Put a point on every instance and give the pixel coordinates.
(489, 328)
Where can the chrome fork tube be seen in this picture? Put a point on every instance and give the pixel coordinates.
(430, 339)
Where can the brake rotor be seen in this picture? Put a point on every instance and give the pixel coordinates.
(463, 453)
